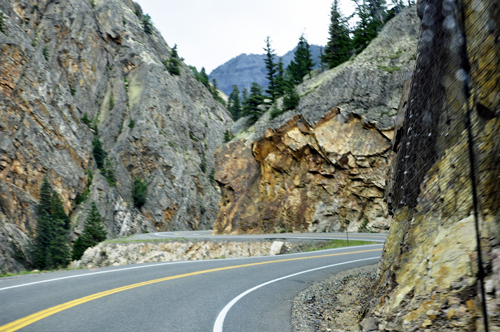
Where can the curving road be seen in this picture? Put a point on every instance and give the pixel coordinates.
(206, 235)
(243, 294)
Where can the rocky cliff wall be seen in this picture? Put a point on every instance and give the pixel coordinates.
(322, 167)
(428, 274)
(63, 60)
(326, 177)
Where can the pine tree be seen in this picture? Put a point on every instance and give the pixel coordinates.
(51, 248)
(339, 42)
(173, 64)
(371, 19)
(252, 103)
(271, 70)
(93, 233)
(147, 25)
(43, 229)
(204, 78)
(302, 63)
(235, 105)
(99, 153)
(280, 80)
(139, 192)
(291, 98)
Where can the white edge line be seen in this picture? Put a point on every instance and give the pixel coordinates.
(219, 322)
(170, 263)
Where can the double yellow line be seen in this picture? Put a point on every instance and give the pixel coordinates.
(22, 322)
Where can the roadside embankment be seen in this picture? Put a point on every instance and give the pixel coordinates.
(124, 253)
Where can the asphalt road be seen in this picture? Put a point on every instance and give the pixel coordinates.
(242, 294)
(206, 235)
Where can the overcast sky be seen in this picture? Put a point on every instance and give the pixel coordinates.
(210, 32)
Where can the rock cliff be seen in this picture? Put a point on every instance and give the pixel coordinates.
(322, 167)
(64, 61)
(325, 177)
(428, 274)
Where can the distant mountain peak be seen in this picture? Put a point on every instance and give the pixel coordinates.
(244, 69)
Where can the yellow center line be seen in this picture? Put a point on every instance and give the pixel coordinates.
(22, 322)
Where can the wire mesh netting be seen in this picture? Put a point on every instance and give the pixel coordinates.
(447, 144)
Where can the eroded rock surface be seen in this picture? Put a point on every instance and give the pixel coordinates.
(325, 177)
(108, 254)
(428, 274)
(63, 60)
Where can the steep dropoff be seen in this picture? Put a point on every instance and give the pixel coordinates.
(61, 61)
(324, 166)
(428, 274)
(326, 177)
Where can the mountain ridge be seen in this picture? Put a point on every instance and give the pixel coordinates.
(244, 69)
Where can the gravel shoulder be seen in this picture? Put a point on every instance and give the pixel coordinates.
(334, 304)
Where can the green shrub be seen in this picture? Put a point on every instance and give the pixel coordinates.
(147, 25)
(2, 23)
(389, 69)
(131, 124)
(211, 177)
(227, 136)
(139, 192)
(111, 102)
(275, 112)
(194, 138)
(86, 119)
(46, 52)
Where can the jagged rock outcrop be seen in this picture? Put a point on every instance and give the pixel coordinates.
(322, 167)
(369, 84)
(61, 61)
(325, 177)
(428, 274)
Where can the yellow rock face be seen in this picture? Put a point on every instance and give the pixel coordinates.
(305, 178)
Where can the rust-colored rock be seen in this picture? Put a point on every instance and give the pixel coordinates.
(300, 177)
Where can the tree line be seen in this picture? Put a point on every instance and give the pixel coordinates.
(343, 43)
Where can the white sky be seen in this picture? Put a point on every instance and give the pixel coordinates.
(210, 32)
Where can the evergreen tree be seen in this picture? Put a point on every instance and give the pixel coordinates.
(173, 64)
(58, 210)
(43, 228)
(339, 42)
(147, 25)
(99, 153)
(139, 192)
(51, 248)
(252, 103)
(235, 103)
(280, 80)
(291, 98)
(371, 15)
(204, 78)
(271, 70)
(302, 63)
(93, 233)
(244, 94)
